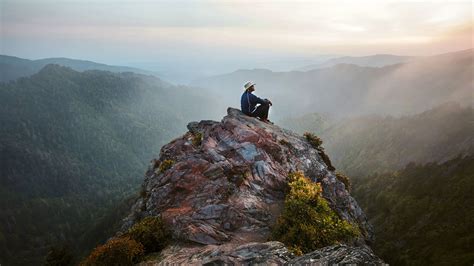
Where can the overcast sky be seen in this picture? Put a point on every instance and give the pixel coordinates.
(123, 32)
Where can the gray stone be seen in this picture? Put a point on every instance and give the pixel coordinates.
(229, 190)
(265, 253)
(339, 255)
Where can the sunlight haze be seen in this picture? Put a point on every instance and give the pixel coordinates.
(227, 35)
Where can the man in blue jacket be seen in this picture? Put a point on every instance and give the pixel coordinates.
(248, 103)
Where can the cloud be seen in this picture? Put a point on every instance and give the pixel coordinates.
(335, 27)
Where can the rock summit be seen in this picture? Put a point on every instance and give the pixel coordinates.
(221, 186)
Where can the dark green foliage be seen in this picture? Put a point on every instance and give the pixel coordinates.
(197, 139)
(423, 214)
(59, 256)
(151, 232)
(284, 142)
(105, 226)
(121, 251)
(368, 144)
(344, 179)
(307, 222)
(326, 160)
(165, 165)
(72, 146)
(147, 236)
(365, 145)
(316, 142)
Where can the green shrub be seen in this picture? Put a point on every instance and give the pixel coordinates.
(344, 179)
(117, 251)
(316, 142)
(59, 256)
(284, 142)
(151, 232)
(197, 139)
(307, 222)
(326, 160)
(165, 165)
(143, 192)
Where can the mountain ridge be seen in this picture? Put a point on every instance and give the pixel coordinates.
(376, 60)
(72, 145)
(221, 186)
(398, 89)
(12, 67)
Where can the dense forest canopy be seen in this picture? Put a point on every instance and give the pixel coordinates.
(422, 214)
(75, 144)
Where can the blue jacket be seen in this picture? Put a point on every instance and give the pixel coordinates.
(248, 101)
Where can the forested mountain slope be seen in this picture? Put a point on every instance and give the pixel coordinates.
(73, 144)
(365, 144)
(413, 175)
(423, 214)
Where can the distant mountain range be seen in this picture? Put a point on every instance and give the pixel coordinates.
(347, 89)
(367, 144)
(73, 145)
(378, 60)
(12, 68)
(378, 144)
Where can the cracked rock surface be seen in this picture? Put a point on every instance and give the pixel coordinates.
(224, 186)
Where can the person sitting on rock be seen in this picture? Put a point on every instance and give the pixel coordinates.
(248, 103)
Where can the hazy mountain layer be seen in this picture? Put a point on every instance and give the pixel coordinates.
(73, 144)
(12, 68)
(351, 90)
(378, 60)
(366, 144)
(361, 146)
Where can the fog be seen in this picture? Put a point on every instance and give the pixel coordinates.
(350, 90)
(186, 40)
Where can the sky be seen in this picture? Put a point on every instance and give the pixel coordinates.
(166, 35)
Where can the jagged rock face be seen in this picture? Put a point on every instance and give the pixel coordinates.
(268, 253)
(229, 186)
(339, 255)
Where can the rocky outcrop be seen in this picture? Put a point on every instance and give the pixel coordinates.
(267, 253)
(339, 255)
(223, 184)
(274, 253)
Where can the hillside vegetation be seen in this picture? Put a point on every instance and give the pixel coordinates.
(72, 146)
(413, 175)
(368, 144)
(422, 214)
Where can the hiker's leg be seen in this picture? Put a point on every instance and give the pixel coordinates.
(262, 111)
